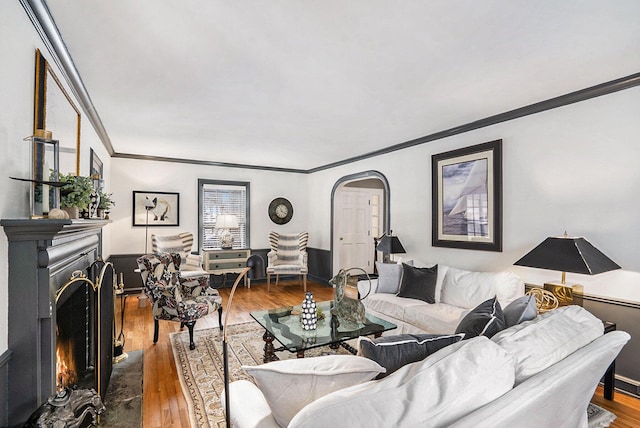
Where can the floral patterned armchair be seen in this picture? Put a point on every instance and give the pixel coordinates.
(174, 298)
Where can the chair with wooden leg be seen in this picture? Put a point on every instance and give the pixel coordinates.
(288, 256)
(175, 298)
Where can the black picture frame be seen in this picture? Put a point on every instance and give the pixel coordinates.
(165, 212)
(467, 197)
(96, 167)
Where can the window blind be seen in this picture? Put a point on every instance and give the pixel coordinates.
(219, 198)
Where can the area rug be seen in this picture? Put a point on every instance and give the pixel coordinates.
(123, 400)
(201, 370)
(202, 377)
(599, 417)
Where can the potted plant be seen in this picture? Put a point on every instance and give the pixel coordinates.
(75, 194)
(105, 204)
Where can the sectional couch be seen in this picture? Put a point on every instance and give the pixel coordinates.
(538, 373)
(456, 293)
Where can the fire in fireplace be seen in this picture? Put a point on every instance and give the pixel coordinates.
(66, 375)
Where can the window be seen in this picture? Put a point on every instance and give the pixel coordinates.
(222, 197)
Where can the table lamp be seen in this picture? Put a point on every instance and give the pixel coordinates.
(389, 244)
(225, 222)
(567, 254)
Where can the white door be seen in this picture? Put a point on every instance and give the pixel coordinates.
(355, 243)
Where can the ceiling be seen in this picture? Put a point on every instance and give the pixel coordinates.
(302, 84)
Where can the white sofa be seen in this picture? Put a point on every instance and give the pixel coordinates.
(536, 374)
(456, 293)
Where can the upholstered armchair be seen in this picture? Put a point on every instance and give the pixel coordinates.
(174, 297)
(181, 243)
(288, 256)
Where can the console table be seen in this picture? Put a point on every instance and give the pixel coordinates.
(221, 262)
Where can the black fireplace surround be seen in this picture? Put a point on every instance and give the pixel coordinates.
(43, 256)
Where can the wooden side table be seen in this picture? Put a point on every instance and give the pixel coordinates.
(222, 262)
(610, 374)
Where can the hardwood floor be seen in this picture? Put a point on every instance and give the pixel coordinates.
(163, 402)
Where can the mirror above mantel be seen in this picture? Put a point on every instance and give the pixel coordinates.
(55, 111)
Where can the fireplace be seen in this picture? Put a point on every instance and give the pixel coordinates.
(60, 311)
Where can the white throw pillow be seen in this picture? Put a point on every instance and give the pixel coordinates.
(434, 392)
(547, 339)
(289, 385)
(467, 289)
(389, 277)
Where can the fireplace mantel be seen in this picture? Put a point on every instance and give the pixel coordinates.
(42, 255)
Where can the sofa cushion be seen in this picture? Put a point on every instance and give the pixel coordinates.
(436, 391)
(438, 318)
(389, 276)
(390, 304)
(486, 319)
(520, 310)
(468, 289)
(289, 385)
(393, 352)
(547, 339)
(418, 283)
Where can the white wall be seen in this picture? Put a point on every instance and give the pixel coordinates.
(128, 175)
(18, 44)
(574, 168)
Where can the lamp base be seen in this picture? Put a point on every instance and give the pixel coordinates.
(566, 294)
(226, 240)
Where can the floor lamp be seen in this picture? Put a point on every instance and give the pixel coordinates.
(148, 205)
(255, 264)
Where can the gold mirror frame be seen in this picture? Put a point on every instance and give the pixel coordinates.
(42, 92)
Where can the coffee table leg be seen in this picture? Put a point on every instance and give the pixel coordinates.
(300, 354)
(269, 350)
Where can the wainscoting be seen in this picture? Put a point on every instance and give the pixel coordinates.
(319, 269)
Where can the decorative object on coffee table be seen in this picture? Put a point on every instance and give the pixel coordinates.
(309, 315)
(567, 254)
(347, 304)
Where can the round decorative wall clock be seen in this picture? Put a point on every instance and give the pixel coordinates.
(280, 211)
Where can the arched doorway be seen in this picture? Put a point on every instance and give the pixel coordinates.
(359, 212)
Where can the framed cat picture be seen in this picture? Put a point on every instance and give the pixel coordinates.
(156, 208)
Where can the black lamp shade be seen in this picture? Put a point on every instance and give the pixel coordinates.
(391, 245)
(575, 255)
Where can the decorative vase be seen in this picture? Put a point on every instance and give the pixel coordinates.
(93, 205)
(73, 212)
(309, 315)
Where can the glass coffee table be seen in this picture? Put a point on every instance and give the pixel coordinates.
(283, 324)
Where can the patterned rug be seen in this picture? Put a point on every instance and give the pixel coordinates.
(202, 377)
(599, 417)
(201, 371)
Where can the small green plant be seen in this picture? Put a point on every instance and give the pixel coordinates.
(76, 192)
(106, 201)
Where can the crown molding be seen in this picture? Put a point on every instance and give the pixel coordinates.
(39, 14)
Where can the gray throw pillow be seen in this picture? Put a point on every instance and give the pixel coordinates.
(486, 319)
(419, 283)
(520, 310)
(393, 352)
(389, 275)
